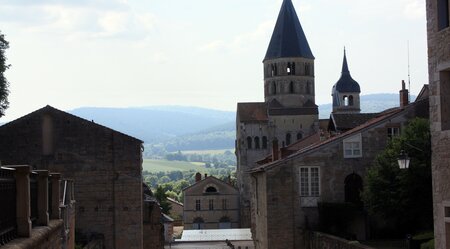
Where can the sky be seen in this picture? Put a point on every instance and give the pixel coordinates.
(206, 53)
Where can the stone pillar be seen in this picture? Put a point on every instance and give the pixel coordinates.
(23, 210)
(56, 212)
(43, 197)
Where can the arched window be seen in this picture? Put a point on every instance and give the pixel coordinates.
(293, 68)
(288, 139)
(211, 189)
(273, 88)
(198, 223)
(224, 223)
(299, 136)
(307, 69)
(256, 142)
(353, 188)
(249, 143)
(350, 100)
(264, 142)
(289, 69)
(272, 70)
(291, 87)
(345, 99)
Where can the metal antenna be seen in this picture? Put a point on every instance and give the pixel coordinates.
(409, 77)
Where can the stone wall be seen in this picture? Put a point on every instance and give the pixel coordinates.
(324, 241)
(439, 76)
(43, 237)
(104, 164)
(153, 227)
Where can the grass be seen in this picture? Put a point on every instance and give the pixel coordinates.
(152, 165)
(204, 152)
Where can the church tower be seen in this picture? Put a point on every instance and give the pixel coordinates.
(288, 113)
(289, 62)
(346, 92)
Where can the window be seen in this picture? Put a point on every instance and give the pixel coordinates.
(293, 68)
(224, 223)
(443, 14)
(249, 143)
(345, 99)
(350, 100)
(256, 142)
(291, 87)
(197, 205)
(198, 223)
(264, 142)
(308, 88)
(289, 69)
(309, 181)
(224, 204)
(211, 189)
(444, 82)
(273, 88)
(288, 139)
(352, 147)
(393, 132)
(353, 188)
(299, 136)
(307, 69)
(211, 204)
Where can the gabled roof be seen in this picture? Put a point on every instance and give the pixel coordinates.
(209, 178)
(251, 112)
(288, 38)
(347, 121)
(50, 109)
(346, 83)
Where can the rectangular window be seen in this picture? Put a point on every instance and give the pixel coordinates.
(224, 204)
(211, 204)
(444, 82)
(393, 132)
(352, 147)
(309, 181)
(443, 14)
(197, 204)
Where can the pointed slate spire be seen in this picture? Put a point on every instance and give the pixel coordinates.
(346, 83)
(344, 64)
(288, 38)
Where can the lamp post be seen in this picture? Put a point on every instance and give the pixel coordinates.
(403, 160)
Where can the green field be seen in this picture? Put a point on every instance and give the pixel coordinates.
(203, 152)
(152, 165)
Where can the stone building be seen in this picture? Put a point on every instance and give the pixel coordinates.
(438, 29)
(289, 185)
(210, 204)
(288, 113)
(104, 164)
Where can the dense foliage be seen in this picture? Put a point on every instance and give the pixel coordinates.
(402, 199)
(4, 84)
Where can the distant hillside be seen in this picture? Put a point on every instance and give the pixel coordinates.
(173, 128)
(159, 123)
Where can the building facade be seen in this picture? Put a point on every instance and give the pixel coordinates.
(290, 186)
(288, 113)
(438, 29)
(104, 164)
(210, 204)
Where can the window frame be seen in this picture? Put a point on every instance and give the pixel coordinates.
(352, 144)
(198, 205)
(211, 204)
(391, 131)
(309, 191)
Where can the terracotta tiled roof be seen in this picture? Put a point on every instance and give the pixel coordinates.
(251, 112)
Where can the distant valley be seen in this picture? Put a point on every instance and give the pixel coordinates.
(173, 128)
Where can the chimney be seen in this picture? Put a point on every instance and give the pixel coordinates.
(206, 175)
(275, 150)
(404, 96)
(198, 177)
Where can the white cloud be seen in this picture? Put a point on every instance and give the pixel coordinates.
(112, 23)
(414, 9)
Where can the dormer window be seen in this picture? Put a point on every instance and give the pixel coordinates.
(353, 147)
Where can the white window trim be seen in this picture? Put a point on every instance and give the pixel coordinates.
(353, 140)
(309, 200)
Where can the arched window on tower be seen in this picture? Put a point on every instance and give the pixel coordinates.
(345, 99)
(291, 87)
(289, 69)
(353, 188)
(350, 100)
(275, 70)
(273, 88)
(288, 139)
(299, 136)
(264, 142)
(293, 68)
(308, 87)
(256, 142)
(307, 69)
(249, 143)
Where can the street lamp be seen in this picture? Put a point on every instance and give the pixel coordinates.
(403, 160)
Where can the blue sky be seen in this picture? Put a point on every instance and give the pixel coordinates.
(208, 53)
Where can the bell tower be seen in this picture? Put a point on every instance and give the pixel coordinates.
(289, 62)
(346, 92)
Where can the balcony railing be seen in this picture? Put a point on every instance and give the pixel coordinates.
(34, 197)
(8, 227)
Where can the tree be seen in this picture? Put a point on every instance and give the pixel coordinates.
(4, 84)
(160, 195)
(403, 197)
